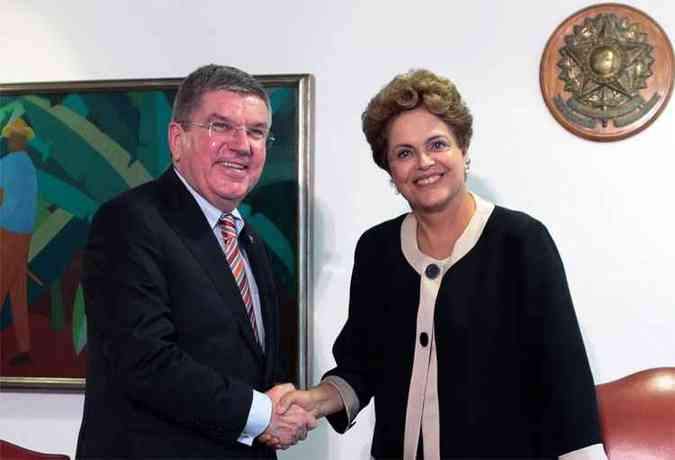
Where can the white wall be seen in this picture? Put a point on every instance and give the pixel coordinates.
(607, 205)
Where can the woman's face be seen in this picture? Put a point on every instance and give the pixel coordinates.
(425, 162)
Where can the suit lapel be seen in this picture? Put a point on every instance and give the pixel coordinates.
(184, 215)
(257, 256)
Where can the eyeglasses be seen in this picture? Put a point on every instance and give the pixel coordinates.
(225, 130)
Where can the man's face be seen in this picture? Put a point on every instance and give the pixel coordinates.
(222, 166)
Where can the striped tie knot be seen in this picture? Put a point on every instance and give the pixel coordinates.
(228, 226)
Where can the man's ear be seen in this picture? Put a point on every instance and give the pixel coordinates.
(176, 138)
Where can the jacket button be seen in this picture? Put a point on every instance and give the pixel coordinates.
(432, 271)
(424, 339)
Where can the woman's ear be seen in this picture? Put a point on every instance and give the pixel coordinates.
(467, 165)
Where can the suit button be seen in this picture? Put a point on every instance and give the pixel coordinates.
(432, 271)
(424, 339)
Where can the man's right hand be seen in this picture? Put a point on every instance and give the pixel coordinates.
(286, 429)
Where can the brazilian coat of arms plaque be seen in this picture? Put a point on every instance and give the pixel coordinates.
(607, 72)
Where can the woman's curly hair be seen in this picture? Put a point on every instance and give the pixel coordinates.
(408, 91)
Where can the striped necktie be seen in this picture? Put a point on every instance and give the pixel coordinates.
(236, 261)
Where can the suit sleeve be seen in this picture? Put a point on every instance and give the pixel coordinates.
(128, 310)
(565, 408)
(357, 350)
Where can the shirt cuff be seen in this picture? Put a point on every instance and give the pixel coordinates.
(348, 396)
(594, 452)
(259, 416)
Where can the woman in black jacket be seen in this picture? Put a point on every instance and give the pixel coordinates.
(461, 325)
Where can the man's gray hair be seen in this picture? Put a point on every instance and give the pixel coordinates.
(214, 77)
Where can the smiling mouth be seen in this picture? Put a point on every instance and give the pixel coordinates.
(232, 165)
(428, 180)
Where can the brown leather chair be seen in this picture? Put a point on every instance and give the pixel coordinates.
(637, 414)
(9, 451)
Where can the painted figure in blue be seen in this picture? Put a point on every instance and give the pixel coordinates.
(18, 206)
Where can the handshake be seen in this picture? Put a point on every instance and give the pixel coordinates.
(296, 412)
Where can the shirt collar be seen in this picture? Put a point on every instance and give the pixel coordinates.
(211, 213)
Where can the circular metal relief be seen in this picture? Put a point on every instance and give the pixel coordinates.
(607, 72)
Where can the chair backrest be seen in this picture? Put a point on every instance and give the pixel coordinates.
(637, 414)
(9, 451)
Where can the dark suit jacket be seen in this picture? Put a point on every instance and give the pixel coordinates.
(172, 357)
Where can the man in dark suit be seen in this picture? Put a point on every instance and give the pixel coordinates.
(181, 305)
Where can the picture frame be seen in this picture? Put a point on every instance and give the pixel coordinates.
(66, 148)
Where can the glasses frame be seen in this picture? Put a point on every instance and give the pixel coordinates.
(269, 136)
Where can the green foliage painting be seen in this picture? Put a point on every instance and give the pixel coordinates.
(67, 148)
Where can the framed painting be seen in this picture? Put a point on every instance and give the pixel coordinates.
(66, 148)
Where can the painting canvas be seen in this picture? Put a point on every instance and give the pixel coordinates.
(66, 148)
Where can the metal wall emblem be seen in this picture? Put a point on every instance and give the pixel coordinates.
(607, 72)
